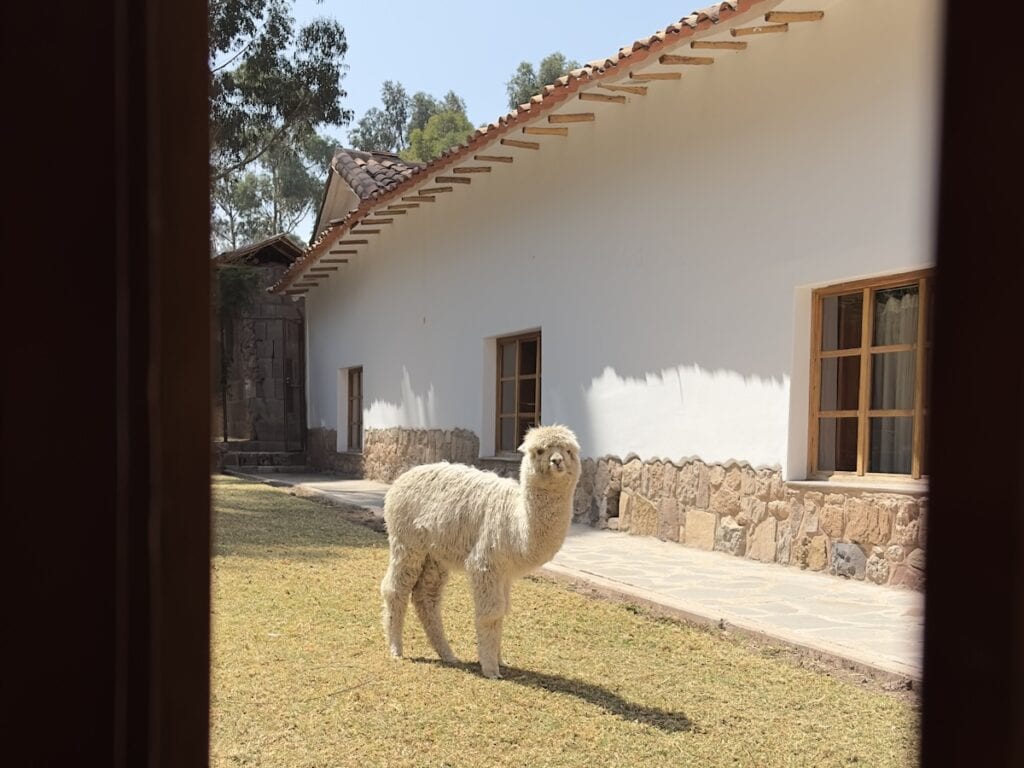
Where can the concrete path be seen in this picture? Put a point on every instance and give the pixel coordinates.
(876, 629)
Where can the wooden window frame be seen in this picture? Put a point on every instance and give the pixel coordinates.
(518, 339)
(355, 410)
(925, 280)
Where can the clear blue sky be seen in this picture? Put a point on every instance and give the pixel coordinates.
(472, 47)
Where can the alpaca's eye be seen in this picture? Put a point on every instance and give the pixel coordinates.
(540, 451)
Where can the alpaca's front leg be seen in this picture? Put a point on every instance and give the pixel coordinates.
(489, 596)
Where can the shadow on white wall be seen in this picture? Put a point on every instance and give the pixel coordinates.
(687, 410)
(415, 410)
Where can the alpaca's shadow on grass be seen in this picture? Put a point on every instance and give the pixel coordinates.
(663, 719)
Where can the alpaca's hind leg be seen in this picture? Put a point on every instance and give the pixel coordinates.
(489, 597)
(426, 596)
(403, 571)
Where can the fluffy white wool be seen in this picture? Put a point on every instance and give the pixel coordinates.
(450, 516)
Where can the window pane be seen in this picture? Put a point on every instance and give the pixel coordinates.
(892, 380)
(508, 397)
(528, 396)
(837, 444)
(895, 316)
(528, 358)
(891, 440)
(508, 359)
(841, 321)
(840, 383)
(508, 434)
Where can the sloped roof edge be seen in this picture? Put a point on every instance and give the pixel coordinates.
(553, 95)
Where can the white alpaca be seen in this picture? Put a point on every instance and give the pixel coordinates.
(451, 516)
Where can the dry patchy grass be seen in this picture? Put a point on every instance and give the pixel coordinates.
(301, 676)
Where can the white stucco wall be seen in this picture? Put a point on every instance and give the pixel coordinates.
(667, 251)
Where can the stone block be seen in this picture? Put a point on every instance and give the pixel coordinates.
(817, 553)
(700, 529)
(733, 479)
(731, 537)
(752, 510)
(868, 521)
(748, 482)
(725, 501)
(668, 519)
(877, 567)
(783, 544)
(703, 486)
(910, 573)
(831, 520)
(716, 475)
(686, 484)
(779, 509)
(762, 545)
(643, 516)
(631, 471)
(625, 510)
(848, 560)
(906, 526)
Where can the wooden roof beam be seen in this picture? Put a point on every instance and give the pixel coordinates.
(292, 292)
(719, 45)
(520, 144)
(578, 117)
(472, 169)
(494, 158)
(334, 261)
(639, 90)
(401, 207)
(420, 198)
(540, 130)
(377, 221)
(451, 180)
(602, 97)
(763, 30)
(671, 59)
(645, 76)
(389, 212)
(353, 242)
(365, 231)
(784, 17)
(435, 190)
(337, 251)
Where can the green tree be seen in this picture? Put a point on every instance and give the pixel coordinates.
(386, 129)
(272, 84)
(443, 130)
(272, 197)
(417, 127)
(526, 82)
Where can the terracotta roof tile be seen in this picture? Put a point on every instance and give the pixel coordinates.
(370, 174)
(387, 176)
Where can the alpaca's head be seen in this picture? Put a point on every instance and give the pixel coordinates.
(551, 456)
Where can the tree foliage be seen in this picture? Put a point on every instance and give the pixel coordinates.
(417, 127)
(272, 84)
(273, 197)
(443, 130)
(527, 82)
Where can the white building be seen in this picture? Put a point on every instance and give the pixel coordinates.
(707, 254)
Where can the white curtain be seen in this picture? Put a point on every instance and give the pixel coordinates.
(892, 384)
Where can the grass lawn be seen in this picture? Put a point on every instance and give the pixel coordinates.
(301, 676)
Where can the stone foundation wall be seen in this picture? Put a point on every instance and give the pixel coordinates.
(387, 453)
(323, 454)
(754, 513)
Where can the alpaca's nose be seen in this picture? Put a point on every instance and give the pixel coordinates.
(557, 460)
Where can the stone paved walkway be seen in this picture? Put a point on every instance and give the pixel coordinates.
(879, 629)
